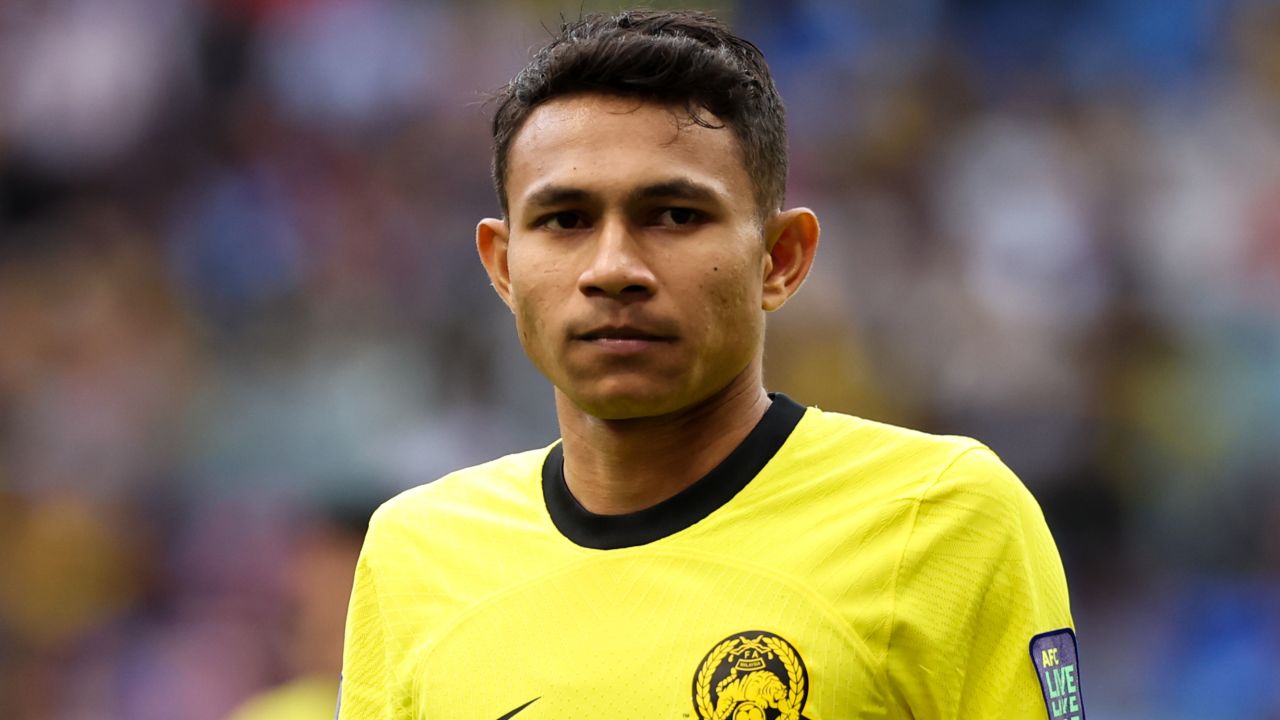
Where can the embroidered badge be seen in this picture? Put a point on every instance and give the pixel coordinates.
(1054, 656)
(753, 675)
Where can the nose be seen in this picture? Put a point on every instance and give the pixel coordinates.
(618, 267)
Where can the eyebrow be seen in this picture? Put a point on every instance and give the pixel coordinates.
(679, 188)
(557, 195)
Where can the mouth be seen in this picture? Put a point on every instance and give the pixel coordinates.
(623, 338)
(623, 333)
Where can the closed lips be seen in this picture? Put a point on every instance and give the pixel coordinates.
(623, 333)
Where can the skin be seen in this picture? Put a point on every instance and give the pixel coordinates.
(639, 269)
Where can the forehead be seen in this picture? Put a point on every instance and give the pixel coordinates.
(604, 143)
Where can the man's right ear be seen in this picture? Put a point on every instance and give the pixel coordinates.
(492, 240)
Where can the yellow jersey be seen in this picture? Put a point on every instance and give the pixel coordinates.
(301, 699)
(830, 568)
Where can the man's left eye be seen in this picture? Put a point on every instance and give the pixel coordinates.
(678, 216)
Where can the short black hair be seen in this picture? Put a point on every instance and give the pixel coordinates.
(682, 58)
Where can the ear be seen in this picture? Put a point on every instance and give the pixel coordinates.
(792, 243)
(492, 240)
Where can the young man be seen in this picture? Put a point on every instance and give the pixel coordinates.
(693, 547)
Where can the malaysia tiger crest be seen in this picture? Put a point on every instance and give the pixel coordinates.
(752, 675)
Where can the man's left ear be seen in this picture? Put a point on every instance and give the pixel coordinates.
(792, 243)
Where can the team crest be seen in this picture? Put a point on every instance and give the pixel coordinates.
(752, 675)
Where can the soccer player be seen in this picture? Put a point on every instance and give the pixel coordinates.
(693, 547)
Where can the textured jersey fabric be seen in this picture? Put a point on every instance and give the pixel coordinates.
(832, 568)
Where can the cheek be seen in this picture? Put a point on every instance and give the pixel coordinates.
(533, 331)
(530, 319)
(732, 292)
(529, 297)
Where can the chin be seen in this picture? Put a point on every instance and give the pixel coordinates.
(628, 404)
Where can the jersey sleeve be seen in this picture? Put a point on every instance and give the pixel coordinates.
(979, 578)
(369, 687)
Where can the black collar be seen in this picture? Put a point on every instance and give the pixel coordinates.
(608, 532)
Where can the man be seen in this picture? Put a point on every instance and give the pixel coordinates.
(693, 547)
(324, 553)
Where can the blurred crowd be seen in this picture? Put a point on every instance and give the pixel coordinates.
(239, 306)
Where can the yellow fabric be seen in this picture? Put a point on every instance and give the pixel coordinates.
(305, 699)
(908, 573)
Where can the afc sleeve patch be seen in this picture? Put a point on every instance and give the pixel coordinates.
(1054, 656)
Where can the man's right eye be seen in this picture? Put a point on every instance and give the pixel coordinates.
(566, 220)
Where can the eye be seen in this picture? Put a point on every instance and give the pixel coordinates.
(564, 220)
(678, 217)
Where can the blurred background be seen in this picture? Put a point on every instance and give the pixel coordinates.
(239, 307)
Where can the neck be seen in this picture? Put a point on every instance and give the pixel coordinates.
(613, 467)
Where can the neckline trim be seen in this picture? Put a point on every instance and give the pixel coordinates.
(682, 510)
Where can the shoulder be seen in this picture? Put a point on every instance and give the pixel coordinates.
(303, 698)
(933, 480)
(895, 459)
(506, 485)
(854, 433)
